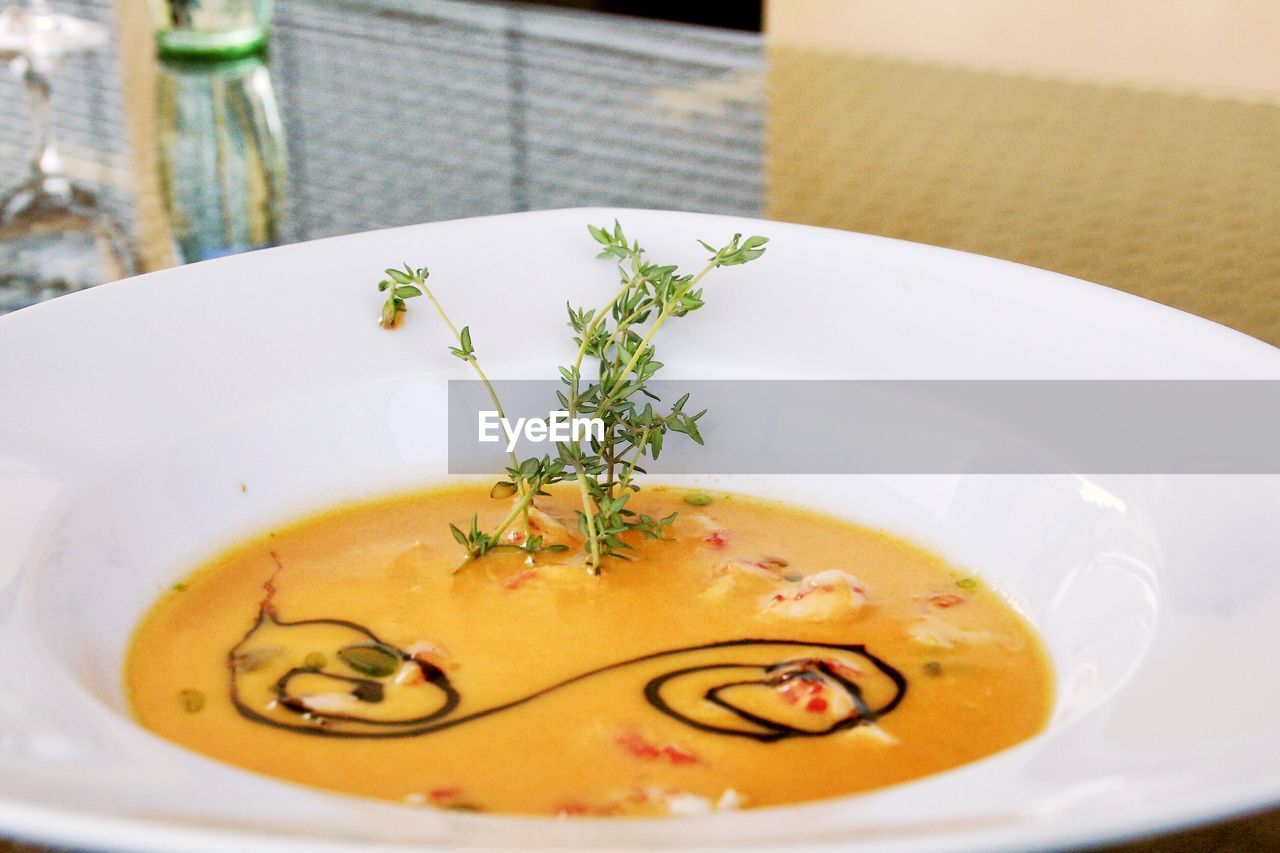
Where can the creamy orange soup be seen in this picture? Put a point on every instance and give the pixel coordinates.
(759, 655)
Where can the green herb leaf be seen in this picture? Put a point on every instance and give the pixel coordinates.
(458, 534)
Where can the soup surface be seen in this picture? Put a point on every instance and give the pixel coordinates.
(758, 655)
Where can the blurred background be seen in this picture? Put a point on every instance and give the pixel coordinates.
(1134, 144)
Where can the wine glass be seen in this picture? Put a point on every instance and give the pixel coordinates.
(55, 235)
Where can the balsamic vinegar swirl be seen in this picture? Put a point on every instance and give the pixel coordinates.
(378, 704)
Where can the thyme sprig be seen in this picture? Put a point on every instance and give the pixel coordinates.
(534, 475)
(618, 338)
(403, 284)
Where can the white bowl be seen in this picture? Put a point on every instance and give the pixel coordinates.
(133, 413)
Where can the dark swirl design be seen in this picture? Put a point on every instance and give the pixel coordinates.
(733, 698)
(774, 677)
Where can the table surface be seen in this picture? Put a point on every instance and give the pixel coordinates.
(403, 111)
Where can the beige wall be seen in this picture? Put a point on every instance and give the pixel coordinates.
(1203, 44)
(1132, 143)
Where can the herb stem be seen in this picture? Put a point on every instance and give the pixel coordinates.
(521, 507)
(623, 325)
(475, 365)
(639, 447)
(591, 327)
(593, 538)
(608, 398)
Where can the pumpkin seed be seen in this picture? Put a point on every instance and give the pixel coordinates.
(502, 489)
(373, 659)
(368, 691)
(255, 659)
(192, 700)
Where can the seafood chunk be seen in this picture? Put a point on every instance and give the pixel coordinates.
(832, 594)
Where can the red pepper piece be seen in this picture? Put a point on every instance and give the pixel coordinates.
(638, 746)
(515, 581)
(678, 755)
(440, 795)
